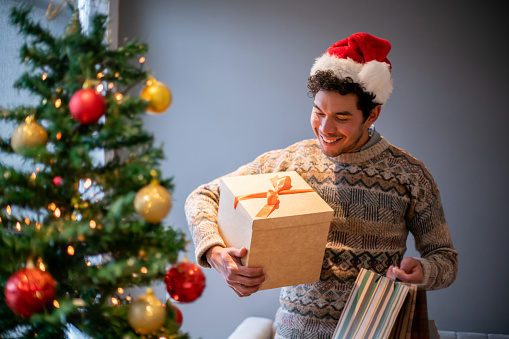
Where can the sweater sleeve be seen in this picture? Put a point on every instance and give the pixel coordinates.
(439, 258)
(201, 209)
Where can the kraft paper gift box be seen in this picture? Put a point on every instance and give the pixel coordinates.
(286, 238)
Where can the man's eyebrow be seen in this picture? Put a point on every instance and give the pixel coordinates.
(337, 113)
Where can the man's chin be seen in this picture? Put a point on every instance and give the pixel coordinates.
(330, 152)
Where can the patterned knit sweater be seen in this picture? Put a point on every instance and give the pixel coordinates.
(378, 194)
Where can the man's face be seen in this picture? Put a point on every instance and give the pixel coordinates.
(338, 124)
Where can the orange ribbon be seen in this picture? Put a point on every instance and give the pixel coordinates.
(281, 186)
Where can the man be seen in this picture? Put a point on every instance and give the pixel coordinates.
(379, 193)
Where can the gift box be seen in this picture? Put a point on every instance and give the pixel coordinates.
(282, 223)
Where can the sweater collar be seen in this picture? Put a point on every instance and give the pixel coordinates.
(362, 155)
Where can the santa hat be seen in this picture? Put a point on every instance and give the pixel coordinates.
(362, 57)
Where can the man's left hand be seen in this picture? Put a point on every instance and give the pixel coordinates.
(410, 271)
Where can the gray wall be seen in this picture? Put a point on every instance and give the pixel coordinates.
(238, 71)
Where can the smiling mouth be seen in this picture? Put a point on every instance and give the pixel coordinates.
(329, 141)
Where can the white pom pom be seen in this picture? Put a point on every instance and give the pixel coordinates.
(375, 77)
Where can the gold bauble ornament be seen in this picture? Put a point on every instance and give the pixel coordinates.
(153, 202)
(158, 95)
(146, 314)
(27, 135)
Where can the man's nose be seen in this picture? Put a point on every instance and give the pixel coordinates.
(328, 125)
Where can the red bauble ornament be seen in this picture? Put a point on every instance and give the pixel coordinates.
(87, 106)
(185, 282)
(178, 316)
(29, 291)
(58, 180)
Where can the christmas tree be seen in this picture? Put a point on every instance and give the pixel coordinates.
(81, 217)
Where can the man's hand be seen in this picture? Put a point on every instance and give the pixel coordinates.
(243, 280)
(410, 271)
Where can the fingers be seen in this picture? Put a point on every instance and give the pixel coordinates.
(390, 273)
(243, 280)
(410, 271)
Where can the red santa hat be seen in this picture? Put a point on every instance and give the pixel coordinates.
(363, 58)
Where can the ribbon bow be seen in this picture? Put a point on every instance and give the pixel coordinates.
(281, 186)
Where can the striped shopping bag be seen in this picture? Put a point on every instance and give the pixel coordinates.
(379, 308)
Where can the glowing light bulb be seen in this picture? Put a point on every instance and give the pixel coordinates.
(18, 226)
(58, 213)
(87, 183)
(8, 209)
(27, 221)
(33, 176)
(100, 75)
(144, 270)
(58, 103)
(120, 290)
(114, 301)
(56, 304)
(70, 250)
(99, 88)
(110, 85)
(118, 96)
(59, 135)
(41, 265)
(44, 76)
(142, 60)
(92, 224)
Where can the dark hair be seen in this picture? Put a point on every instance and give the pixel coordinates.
(327, 81)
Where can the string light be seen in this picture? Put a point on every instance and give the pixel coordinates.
(27, 221)
(142, 60)
(150, 82)
(18, 226)
(33, 176)
(114, 301)
(0, 220)
(56, 304)
(128, 298)
(59, 135)
(38, 225)
(8, 209)
(41, 264)
(52, 206)
(44, 76)
(87, 183)
(144, 270)
(92, 224)
(58, 103)
(70, 250)
(118, 97)
(89, 263)
(58, 213)
(110, 85)
(117, 74)
(120, 290)
(99, 88)
(100, 75)
(37, 169)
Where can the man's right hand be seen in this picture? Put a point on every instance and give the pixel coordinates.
(243, 280)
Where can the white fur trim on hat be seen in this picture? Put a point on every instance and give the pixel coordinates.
(373, 76)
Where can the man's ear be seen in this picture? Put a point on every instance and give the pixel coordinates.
(373, 115)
